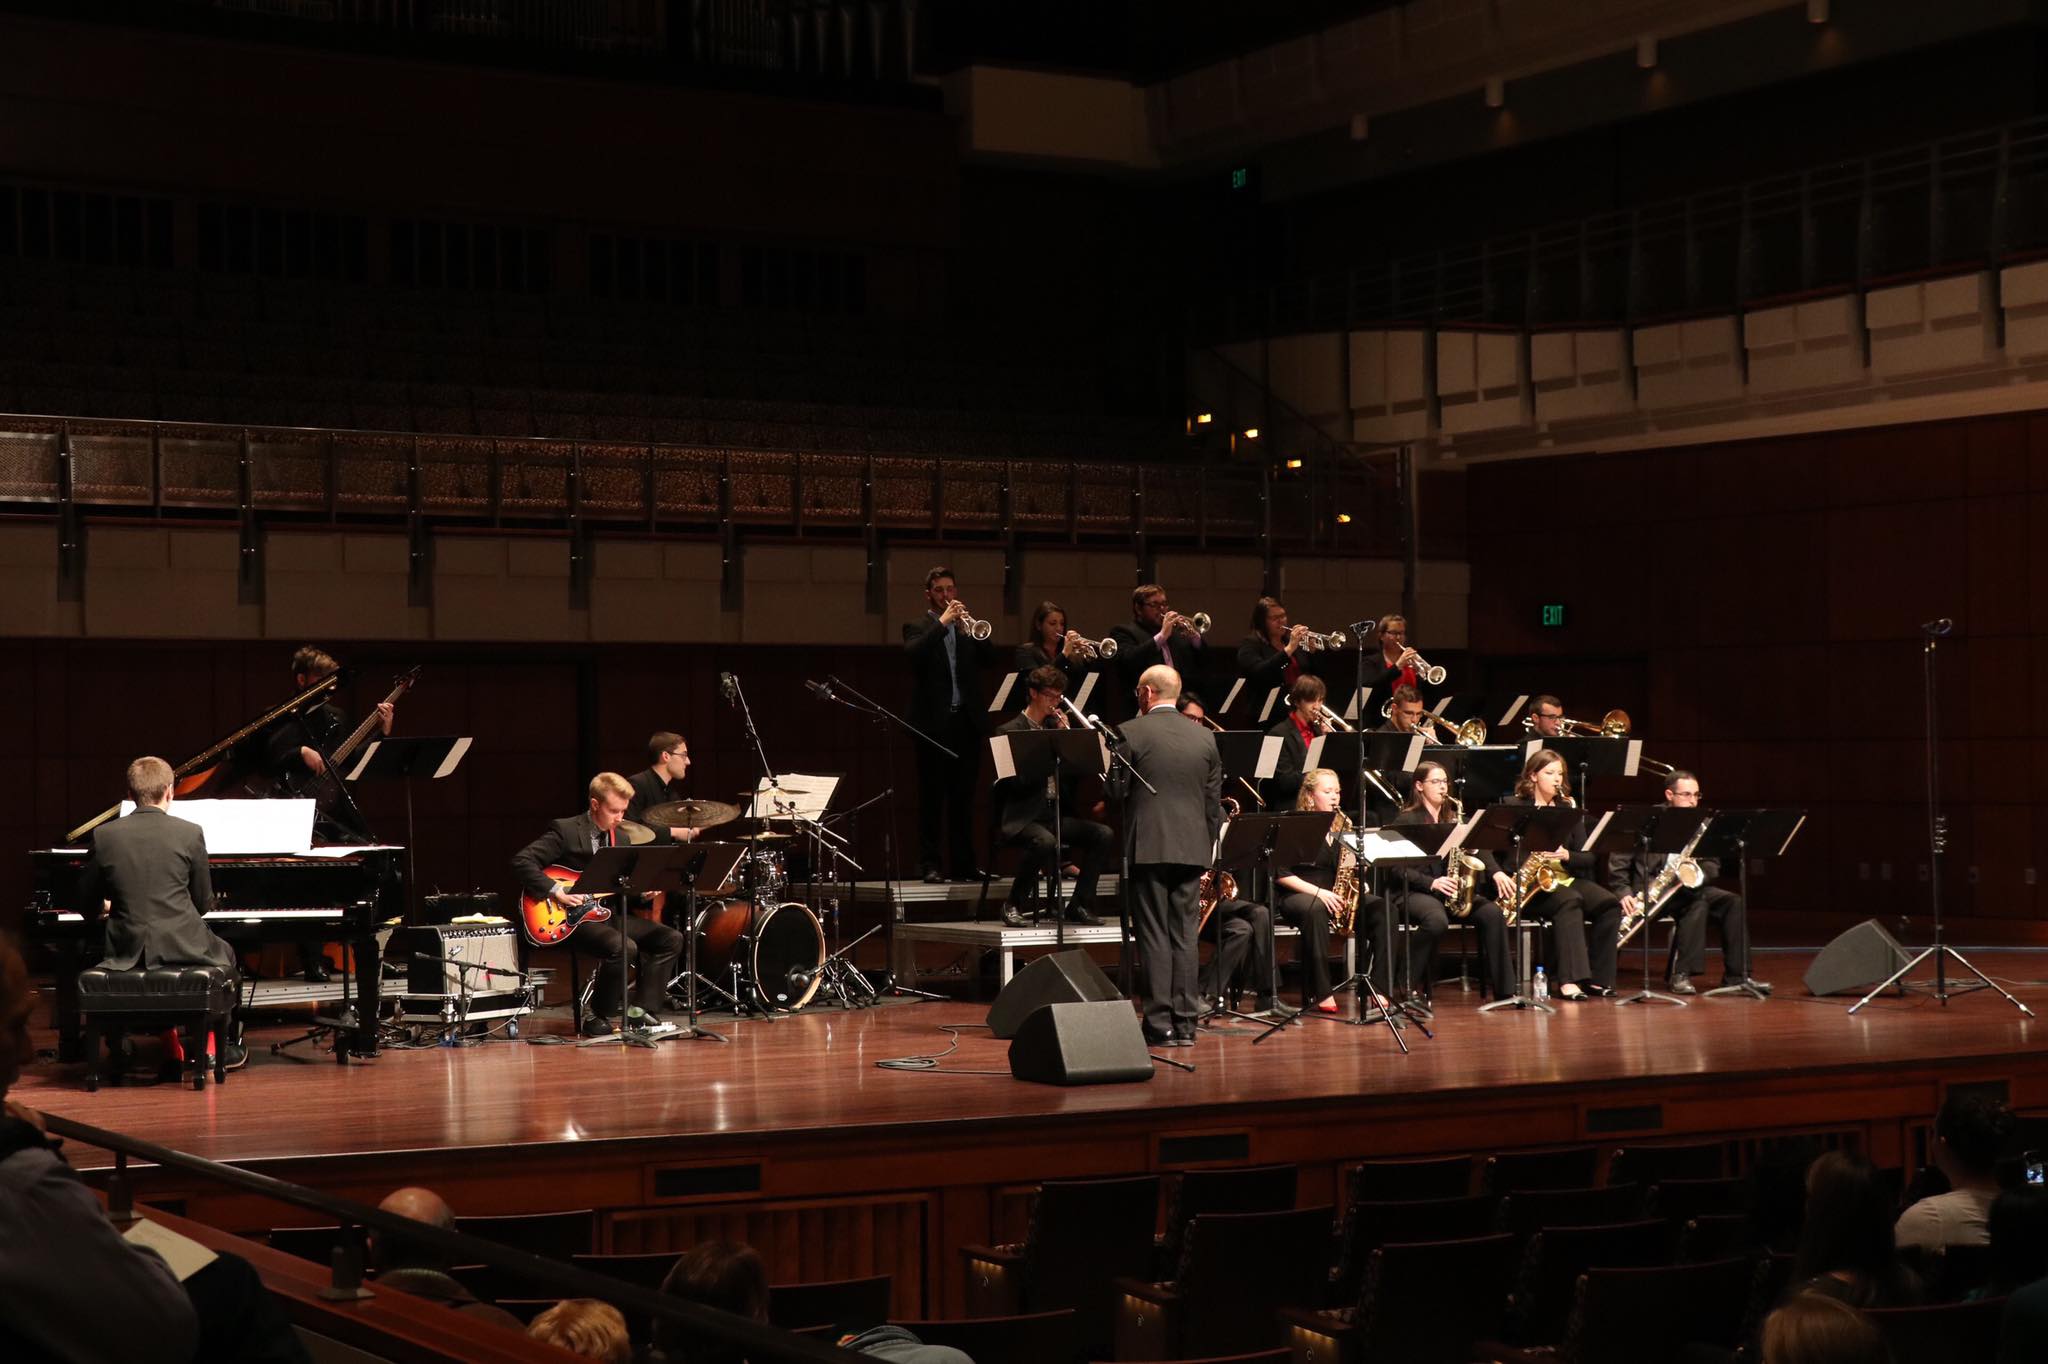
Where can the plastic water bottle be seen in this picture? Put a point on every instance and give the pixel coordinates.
(1542, 987)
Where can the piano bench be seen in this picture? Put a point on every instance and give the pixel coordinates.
(194, 999)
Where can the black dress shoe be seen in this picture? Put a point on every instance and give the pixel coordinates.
(316, 973)
(1681, 984)
(1762, 987)
(1078, 914)
(1178, 1042)
(972, 876)
(1013, 917)
(932, 877)
(1598, 991)
(1153, 1039)
(597, 1025)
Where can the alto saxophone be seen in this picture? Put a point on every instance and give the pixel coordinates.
(1465, 871)
(1345, 888)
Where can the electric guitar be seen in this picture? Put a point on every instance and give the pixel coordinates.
(548, 921)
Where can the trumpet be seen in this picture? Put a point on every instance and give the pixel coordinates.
(1429, 672)
(1613, 725)
(1316, 643)
(1197, 624)
(977, 630)
(1093, 648)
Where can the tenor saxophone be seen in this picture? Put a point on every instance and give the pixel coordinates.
(1465, 871)
(1345, 888)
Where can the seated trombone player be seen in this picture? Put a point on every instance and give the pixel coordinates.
(1689, 907)
(1306, 718)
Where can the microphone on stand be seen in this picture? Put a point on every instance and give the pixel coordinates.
(821, 690)
(1937, 627)
(728, 686)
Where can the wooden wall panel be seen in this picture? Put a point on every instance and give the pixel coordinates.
(1779, 648)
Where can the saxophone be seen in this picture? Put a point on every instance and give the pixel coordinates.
(1465, 870)
(1681, 874)
(1345, 888)
(1536, 875)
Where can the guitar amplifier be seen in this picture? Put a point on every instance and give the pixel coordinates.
(434, 988)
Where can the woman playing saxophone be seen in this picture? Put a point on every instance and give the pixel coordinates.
(1585, 917)
(1428, 896)
(1310, 894)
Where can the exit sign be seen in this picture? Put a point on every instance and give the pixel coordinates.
(1553, 615)
(1241, 177)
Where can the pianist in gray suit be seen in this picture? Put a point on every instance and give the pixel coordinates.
(152, 869)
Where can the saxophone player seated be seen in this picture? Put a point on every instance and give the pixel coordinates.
(1585, 917)
(1689, 908)
(1429, 896)
(1310, 896)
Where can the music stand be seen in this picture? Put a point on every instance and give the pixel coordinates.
(1479, 776)
(1742, 834)
(1590, 756)
(1388, 760)
(402, 759)
(1503, 828)
(1394, 846)
(711, 867)
(1643, 830)
(626, 871)
(1243, 753)
(1034, 756)
(1249, 845)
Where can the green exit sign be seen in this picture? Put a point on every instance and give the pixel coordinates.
(1241, 177)
(1553, 615)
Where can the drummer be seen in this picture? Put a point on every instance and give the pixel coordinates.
(660, 784)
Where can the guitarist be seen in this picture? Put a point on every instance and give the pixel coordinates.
(570, 844)
(295, 759)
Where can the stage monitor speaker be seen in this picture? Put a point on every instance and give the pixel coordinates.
(1081, 1044)
(1062, 978)
(1855, 961)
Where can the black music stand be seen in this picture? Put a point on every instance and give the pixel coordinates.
(711, 866)
(1037, 755)
(1261, 843)
(1590, 757)
(1504, 828)
(1383, 848)
(1479, 776)
(1239, 749)
(1643, 830)
(626, 871)
(1743, 834)
(402, 759)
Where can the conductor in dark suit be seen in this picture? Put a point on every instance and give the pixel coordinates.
(1173, 828)
(570, 844)
(1025, 811)
(1156, 636)
(945, 702)
(151, 870)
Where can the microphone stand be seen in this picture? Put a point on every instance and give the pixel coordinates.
(883, 717)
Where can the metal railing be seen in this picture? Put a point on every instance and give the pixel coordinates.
(1972, 199)
(751, 1339)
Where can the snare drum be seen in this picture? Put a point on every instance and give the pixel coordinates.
(785, 938)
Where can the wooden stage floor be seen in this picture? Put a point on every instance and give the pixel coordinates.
(815, 1073)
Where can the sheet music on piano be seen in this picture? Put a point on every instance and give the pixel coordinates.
(236, 828)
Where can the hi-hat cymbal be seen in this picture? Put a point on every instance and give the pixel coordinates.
(691, 814)
(635, 834)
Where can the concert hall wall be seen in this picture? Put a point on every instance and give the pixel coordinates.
(1755, 607)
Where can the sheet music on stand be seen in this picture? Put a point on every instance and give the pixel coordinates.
(248, 827)
(803, 794)
(1002, 696)
(1356, 703)
(458, 749)
(1514, 709)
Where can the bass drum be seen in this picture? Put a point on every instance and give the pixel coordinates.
(786, 938)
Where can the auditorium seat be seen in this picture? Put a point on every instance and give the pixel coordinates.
(1947, 1333)
(646, 1269)
(1546, 1281)
(1651, 1164)
(854, 1304)
(1715, 1236)
(1368, 1226)
(1035, 1338)
(1084, 1234)
(1626, 1316)
(1247, 1188)
(1951, 1274)
(1533, 1210)
(556, 1235)
(1406, 1181)
(1681, 1200)
(1234, 1274)
(1516, 1171)
(1418, 1302)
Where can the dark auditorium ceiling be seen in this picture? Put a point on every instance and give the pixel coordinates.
(1145, 40)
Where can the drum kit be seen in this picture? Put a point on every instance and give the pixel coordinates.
(768, 949)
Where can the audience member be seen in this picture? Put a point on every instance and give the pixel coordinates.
(586, 1327)
(2018, 1224)
(2023, 1331)
(412, 1266)
(732, 1278)
(1845, 1248)
(1811, 1329)
(1969, 1133)
(75, 1288)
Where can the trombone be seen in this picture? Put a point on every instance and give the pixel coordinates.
(1332, 721)
(1613, 725)
(1468, 734)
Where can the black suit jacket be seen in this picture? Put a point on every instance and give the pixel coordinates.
(1629, 874)
(1178, 820)
(153, 868)
(931, 692)
(1284, 785)
(565, 844)
(1136, 651)
(1020, 804)
(1030, 656)
(1262, 666)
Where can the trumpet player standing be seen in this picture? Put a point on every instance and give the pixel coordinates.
(1158, 636)
(1398, 662)
(1275, 653)
(1053, 645)
(1689, 908)
(946, 660)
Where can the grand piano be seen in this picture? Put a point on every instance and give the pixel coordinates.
(343, 891)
